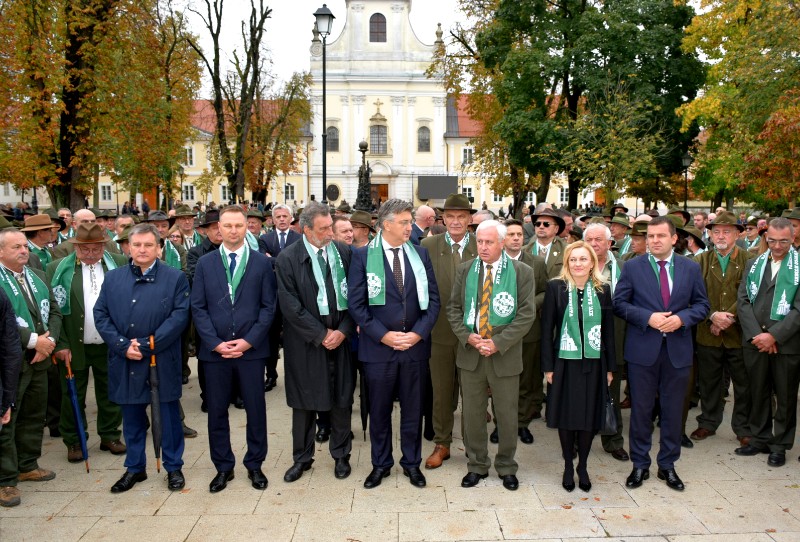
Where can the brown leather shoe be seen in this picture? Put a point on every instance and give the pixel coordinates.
(74, 453)
(440, 454)
(114, 446)
(9, 496)
(38, 475)
(744, 441)
(701, 433)
(626, 403)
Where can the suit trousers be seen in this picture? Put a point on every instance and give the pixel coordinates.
(250, 376)
(134, 428)
(616, 441)
(475, 398)
(303, 426)
(53, 413)
(109, 415)
(444, 381)
(778, 373)
(712, 361)
(531, 383)
(668, 383)
(384, 378)
(21, 439)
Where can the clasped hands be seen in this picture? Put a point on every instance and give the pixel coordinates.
(333, 338)
(44, 347)
(485, 347)
(399, 340)
(765, 343)
(233, 349)
(720, 321)
(665, 322)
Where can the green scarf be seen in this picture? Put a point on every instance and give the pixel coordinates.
(753, 243)
(503, 307)
(376, 275)
(44, 255)
(197, 238)
(450, 241)
(786, 282)
(573, 346)
(70, 234)
(615, 270)
(173, 257)
(252, 241)
(41, 296)
(238, 273)
(625, 246)
(62, 279)
(338, 277)
(723, 260)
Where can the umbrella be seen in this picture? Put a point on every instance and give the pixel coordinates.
(155, 404)
(364, 394)
(76, 411)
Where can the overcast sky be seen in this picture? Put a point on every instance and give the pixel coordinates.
(288, 35)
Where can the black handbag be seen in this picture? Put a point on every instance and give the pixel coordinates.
(609, 424)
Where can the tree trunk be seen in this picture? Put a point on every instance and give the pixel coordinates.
(543, 188)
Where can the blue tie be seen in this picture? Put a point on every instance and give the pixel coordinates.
(233, 263)
(283, 240)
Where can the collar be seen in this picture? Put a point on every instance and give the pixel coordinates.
(387, 247)
(149, 274)
(286, 231)
(547, 246)
(239, 252)
(494, 264)
(517, 257)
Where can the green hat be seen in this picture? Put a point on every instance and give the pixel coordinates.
(677, 220)
(110, 213)
(5, 224)
(752, 221)
(685, 214)
(124, 235)
(794, 214)
(184, 210)
(344, 207)
(618, 206)
(255, 213)
(695, 233)
(157, 216)
(363, 218)
(53, 214)
(726, 218)
(458, 202)
(639, 229)
(550, 214)
(622, 219)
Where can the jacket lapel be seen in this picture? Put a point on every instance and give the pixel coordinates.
(77, 285)
(678, 278)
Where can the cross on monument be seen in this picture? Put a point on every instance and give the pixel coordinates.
(378, 105)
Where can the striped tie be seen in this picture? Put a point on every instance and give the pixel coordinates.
(484, 328)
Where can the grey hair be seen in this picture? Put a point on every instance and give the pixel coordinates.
(284, 207)
(597, 226)
(484, 212)
(5, 233)
(486, 224)
(781, 223)
(392, 207)
(144, 227)
(312, 211)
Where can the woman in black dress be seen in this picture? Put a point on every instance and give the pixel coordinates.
(577, 355)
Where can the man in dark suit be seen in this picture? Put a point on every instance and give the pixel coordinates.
(424, 217)
(661, 296)
(769, 311)
(490, 314)
(392, 296)
(233, 303)
(320, 374)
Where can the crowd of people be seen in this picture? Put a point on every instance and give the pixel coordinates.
(514, 320)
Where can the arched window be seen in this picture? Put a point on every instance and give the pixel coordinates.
(377, 139)
(332, 139)
(424, 139)
(377, 28)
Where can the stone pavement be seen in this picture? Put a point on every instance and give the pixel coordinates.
(728, 498)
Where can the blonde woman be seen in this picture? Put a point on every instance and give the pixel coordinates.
(577, 356)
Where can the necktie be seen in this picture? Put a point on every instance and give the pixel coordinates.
(456, 254)
(283, 240)
(543, 253)
(484, 328)
(233, 263)
(664, 280)
(397, 270)
(24, 286)
(323, 265)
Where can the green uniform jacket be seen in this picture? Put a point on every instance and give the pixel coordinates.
(722, 293)
(555, 256)
(66, 248)
(540, 285)
(53, 324)
(444, 270)
(71, 337)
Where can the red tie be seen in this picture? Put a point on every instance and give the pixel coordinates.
(664, 280)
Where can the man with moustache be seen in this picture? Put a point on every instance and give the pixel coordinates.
(447, 251)
(546, 242)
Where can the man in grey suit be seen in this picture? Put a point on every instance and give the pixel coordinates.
(491, 309)
(769, 311)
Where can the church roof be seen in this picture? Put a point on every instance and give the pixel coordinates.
(459, 123)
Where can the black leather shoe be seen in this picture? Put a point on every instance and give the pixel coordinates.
(510, 482)
(342, 468)
(472, 479)
(525, 435)
(296, 471)
(128, 480)
(776, 459)
(750, 450)
(494, 438)
(620, 454)
(568, 480)
(376, 477)
(270, 383)
(636, 477)
(258, 479)
(686, 442)
(203, 407)
(239, 403)
(672, 479)
(185, 380)
(323, 434)
(583, 482)
(415, 476)
(220, 481)
(175, 480)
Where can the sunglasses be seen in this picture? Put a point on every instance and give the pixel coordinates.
(542, 223)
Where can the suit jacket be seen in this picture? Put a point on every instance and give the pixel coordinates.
(271, 242)
(416, 233)
(540, 285)
(508, 338)
(638, 296)
(195, 253)
(377, 320)
(555, 255)
(53, 324)
(10, 354)
(755, 317)
(249, 317)
(71, 337)
(442, 261)
(722, 295)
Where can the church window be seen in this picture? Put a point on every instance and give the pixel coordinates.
(377, 28)
(332, 139)
(424, 139)
(378, 139)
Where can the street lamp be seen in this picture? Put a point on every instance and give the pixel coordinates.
(686, 162)
(364, 196)
(324, 24)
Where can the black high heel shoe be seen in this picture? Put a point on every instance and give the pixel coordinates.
(583, 481)
(568, 480)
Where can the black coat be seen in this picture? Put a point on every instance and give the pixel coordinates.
(195, 253)
(10, 354)
(316, 378)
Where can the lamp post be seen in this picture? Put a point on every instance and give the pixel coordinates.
(324, 24)
(686, 162)
(364, 196)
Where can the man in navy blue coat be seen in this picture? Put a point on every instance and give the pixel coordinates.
(394, 340)
(233, 304)
(662, 296)
(136, 301)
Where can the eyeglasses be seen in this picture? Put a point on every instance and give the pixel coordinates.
(543, 223)
(175, 237)
(781, 242)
